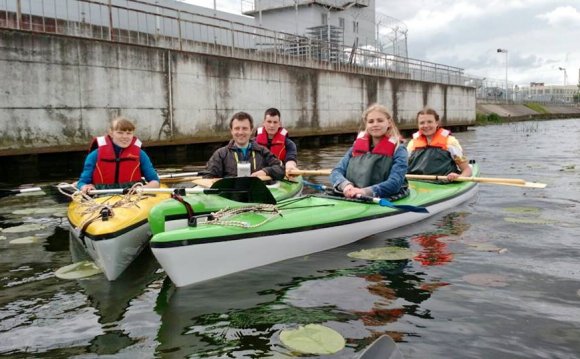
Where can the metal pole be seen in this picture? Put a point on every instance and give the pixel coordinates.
(505, 51)
(506, 77)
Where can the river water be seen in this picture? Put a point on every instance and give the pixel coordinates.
(497, 277)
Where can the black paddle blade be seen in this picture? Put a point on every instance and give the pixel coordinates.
(244, 189)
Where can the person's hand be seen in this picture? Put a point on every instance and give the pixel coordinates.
(290, 166)
(88, 187)
(259, 173)
(351, 191)
(452, 176)
(151, 184)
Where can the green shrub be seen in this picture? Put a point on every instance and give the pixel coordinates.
(484, 119)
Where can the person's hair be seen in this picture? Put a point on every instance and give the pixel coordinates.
(393, 130)
(121, 123)
(272, 112)
(428, 111)
(242, 116)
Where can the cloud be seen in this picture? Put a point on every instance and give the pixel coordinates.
(563, 16)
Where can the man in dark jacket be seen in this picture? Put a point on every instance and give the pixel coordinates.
(224, 161)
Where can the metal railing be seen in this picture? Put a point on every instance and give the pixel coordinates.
(145, 23)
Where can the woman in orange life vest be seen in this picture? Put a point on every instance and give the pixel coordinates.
(376, 164)
(275, 138)
(433, 151)
(117, 160)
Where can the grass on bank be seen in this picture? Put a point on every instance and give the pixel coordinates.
(536, 107)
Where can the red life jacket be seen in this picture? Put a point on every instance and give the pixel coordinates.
(111, 169)
(439, 139)
(385, 147)
(277, 145)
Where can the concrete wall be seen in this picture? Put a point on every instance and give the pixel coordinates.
(58, 92)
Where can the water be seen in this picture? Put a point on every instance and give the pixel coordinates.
(496, 277)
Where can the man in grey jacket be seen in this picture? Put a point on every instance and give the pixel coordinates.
(224, 161)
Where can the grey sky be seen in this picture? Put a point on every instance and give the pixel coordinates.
(540, 35)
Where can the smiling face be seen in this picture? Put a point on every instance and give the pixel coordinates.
(377, 124)
(241, 131)
(427, 124)
(121, 138)
(271, 124)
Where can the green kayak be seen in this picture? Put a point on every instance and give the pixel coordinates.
(251, 235)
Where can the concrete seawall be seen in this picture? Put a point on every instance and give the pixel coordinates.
(59, 91)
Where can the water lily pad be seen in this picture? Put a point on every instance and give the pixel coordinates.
(523, 210)
(35, 211)
(78, 270)
(24, 228)
(25, 240)
(484, 247)
(384, 253)
(522, 220)
(313, 339)
(486, 279)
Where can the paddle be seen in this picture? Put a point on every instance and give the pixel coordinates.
(4, 192)
(239, 189)
(384, 347)
(380, 201)
(499, 181)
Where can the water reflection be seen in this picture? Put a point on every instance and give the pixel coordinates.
(425, 303)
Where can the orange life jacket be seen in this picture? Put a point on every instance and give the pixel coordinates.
(439, 139)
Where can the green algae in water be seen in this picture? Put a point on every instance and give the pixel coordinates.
(78, 270)
(271, 315)
(313, 339)
(384, 253)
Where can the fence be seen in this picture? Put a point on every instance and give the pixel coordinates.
(146, 23)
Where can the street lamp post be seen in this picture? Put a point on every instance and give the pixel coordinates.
(506, 72)
(565, 75)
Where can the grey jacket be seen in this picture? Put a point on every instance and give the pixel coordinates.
(223, 162)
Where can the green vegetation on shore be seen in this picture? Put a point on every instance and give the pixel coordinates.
(536, 107)
(487, 119)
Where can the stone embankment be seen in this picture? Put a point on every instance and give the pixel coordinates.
(520, 112)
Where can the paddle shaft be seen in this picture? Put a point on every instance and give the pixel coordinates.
(162, 190)
(468, 179)
(500, 181)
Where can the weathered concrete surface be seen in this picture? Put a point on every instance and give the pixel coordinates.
(522, 112)
(59, 91)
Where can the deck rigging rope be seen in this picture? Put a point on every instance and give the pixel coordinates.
(88, 205)
(222, 216)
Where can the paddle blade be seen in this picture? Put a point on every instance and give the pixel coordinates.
(244, 189)
(386, 203)
(315, 186)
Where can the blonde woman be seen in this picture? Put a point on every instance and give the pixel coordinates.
(376, 164)
(433, 151)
